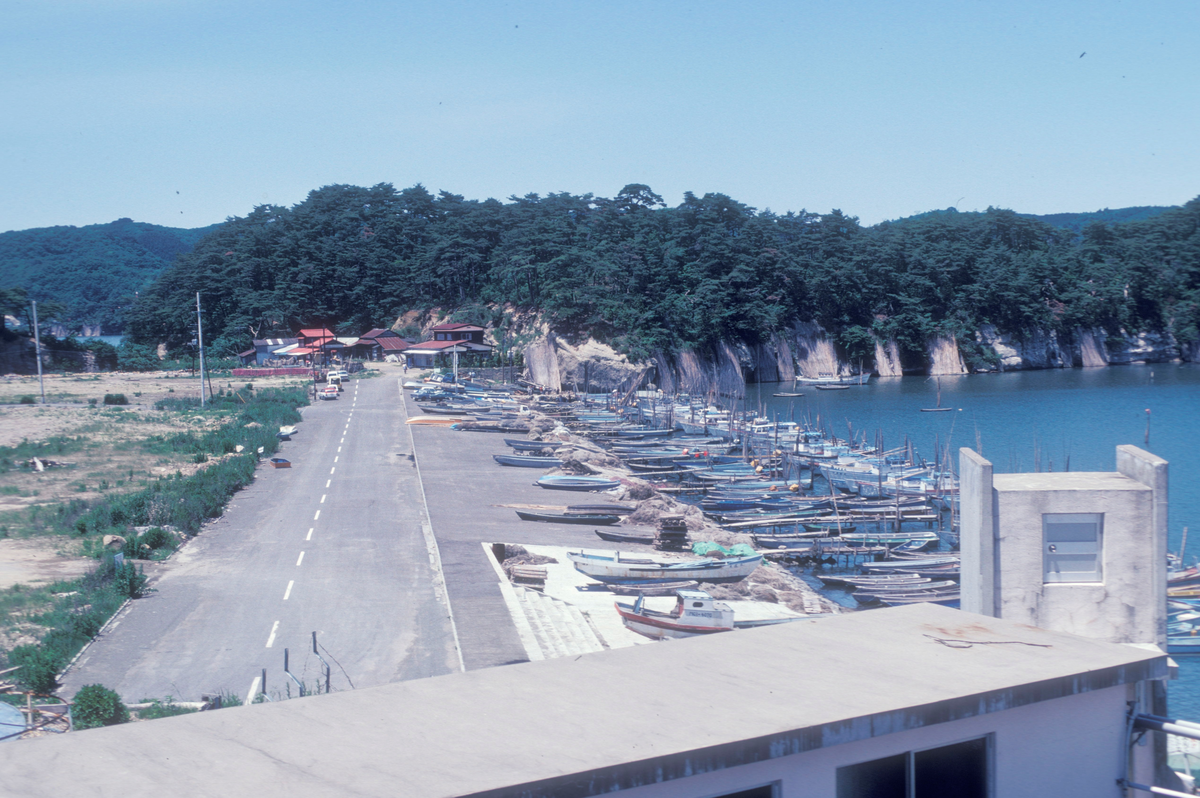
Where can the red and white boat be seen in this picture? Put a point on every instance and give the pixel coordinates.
(695, 613)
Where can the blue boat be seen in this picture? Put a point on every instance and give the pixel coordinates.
(527, 461)
(567, 482)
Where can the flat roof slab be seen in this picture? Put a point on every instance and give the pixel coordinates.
(1067, 481)
(589, 724)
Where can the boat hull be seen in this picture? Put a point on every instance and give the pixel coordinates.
(613, 571)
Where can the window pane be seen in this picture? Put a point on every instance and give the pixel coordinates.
(952, 771)
(1064, 533)
(880, 778)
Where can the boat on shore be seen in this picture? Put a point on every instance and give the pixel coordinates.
(664, 589)
(569, 518)
(695, 613)
(611, 568)
(567, 482)
(527, 461)
(612, 536)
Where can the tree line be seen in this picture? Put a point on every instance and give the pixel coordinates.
(642, 276)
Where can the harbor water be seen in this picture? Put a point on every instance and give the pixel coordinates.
(1053, 420)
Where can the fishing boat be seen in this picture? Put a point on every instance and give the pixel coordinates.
(611, 568)
(569, 518)
(695, 613)
(433, 421)
(888, 538)
(878, 580)
(528, 446)
(567, 482)
(645, 538)
(527, 461)
(788, 395)
(664, 589)
(950, 597)
(832, 387)
(606, 509)
(870, 595)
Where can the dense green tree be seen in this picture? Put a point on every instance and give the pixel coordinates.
(645, 277)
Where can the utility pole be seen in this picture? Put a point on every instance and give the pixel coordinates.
(37, 348)
(200, 341)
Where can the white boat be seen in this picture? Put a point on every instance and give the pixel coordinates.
(609, 567)
(695, 613)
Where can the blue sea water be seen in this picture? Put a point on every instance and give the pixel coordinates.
(1036, 420)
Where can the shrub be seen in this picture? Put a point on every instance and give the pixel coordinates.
(164, 709)
(130, 581)
(115, 399)
(26, 399)
(92, 402)
(95, 706)
(39, 666)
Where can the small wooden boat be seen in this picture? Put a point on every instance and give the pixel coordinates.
(445, 410)
(788, 395)
(870, 594)
(569, 518)
(832, 387)
(877, 580)
(606, 509)
(433, 421)
(279, 462)
(528, 446)
(695, 613)
(566, 482)
(939, 408)
(610, 568)
(664, 589)
(626, 537)
(527, 461)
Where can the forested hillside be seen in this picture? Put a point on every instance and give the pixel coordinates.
(93, 270)
(642, 276)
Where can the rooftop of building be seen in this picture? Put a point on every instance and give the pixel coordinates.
(596, 722)
(1066, 481)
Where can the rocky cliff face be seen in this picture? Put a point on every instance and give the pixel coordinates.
(807, 350)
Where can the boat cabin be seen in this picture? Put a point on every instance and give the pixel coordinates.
(697, 608)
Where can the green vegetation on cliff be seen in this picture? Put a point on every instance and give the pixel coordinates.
(630, 271)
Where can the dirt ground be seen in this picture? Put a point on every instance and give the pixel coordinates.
(38, 561)
(105, 454)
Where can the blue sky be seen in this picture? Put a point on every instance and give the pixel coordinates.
(183, 112)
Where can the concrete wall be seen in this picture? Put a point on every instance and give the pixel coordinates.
(1070, 746)
(976, 534)
(1002, 547)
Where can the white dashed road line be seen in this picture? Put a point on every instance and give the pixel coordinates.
(300, 559)
(288, 592)
(271, 639)
(310, 531)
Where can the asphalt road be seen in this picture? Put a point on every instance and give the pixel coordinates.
(338, 545)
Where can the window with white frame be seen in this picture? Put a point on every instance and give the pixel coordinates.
(1072, 547)
(960, 770)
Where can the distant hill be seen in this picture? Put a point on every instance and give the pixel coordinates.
(1075, 222)
(95, 270)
